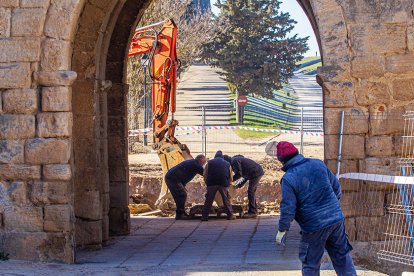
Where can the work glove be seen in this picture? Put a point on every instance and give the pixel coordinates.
(281, 238)
(240, 183)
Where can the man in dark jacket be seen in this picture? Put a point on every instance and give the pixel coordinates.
(217, 175)
(246, 169)
(177, 177)
(310, 195)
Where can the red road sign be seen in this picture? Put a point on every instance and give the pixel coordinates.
(242, 100)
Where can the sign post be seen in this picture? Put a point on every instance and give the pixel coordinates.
(241, 102)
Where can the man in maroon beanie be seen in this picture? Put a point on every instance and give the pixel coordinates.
(310, 195)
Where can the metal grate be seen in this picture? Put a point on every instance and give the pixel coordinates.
(399, 235)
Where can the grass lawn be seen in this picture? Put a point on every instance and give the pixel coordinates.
(248, 134)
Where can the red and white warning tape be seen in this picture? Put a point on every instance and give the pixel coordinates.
(136, 132)
(404, 180)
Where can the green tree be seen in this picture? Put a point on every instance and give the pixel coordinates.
(253, 47)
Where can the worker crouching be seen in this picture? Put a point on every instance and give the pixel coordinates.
(218, 177)
(178, 176)
(247, 170)
(310, 195)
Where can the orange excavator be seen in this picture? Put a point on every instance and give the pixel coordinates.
(160, 46)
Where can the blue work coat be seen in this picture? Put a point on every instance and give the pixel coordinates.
(310, 195)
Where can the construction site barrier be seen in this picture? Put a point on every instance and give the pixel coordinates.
(136, 132)
(402, 180)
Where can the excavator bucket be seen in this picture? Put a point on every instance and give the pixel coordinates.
(170, 155)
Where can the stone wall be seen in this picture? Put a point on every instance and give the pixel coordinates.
(63, 154)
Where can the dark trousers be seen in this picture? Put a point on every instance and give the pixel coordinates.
(179, 193)
(251, 193)
(211, 193)
(335, 241)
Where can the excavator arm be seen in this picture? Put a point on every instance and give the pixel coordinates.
(163, 63)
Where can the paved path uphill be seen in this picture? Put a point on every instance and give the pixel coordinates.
(201, 86)
(163, 246)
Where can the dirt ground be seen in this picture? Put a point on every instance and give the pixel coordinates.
(146, 174)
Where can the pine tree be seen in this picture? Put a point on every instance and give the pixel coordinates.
(253, 46)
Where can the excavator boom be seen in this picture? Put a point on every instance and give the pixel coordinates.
(161, 49)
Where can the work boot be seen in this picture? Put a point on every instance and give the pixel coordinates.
(232, 217)
(182, 217)
(250, 215)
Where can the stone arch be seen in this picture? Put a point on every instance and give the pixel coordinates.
(63, 170)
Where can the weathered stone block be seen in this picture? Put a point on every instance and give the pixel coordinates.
(21, 172)
(350, 227)
(57, 99)
(88, 233)
(19, 49)
(402, 89)
(368, 93)
(15, 75)
(365, 67)
(85, 98)
(383, 121)
(400, 63)
(11, 151)
(61, 20)
(119, 223)
(377, 38)
(88, 205)
(34, 3)
(371, 228)
(58, 218)
(56, 55)
(85, 127)
(18, 194)
(353, 147)
(5, 15)
(57, 172)
(410, 37)
(50, 193)
(380, 146)
(381, 165)
(59, 248)
(9, 3)
(355, 121)
(17, 126)
(363, 203)
(28, 22)
(24, 219)
(55, 124)
(22, 101)
(47, 151)
(26, 246)
(59, 78)
(87, 152)
(375, 11)
(338, 94)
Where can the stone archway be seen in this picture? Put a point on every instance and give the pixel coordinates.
(63, 132)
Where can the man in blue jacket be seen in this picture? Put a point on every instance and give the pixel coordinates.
(178, 176)
(218, 177)
(310, 195)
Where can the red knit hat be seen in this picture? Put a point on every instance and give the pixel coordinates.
(284, 149)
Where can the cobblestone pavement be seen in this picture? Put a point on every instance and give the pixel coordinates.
(163, 246)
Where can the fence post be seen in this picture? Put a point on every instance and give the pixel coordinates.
(203, 131)
(341, 127)
(301, 130)
(145, 106)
